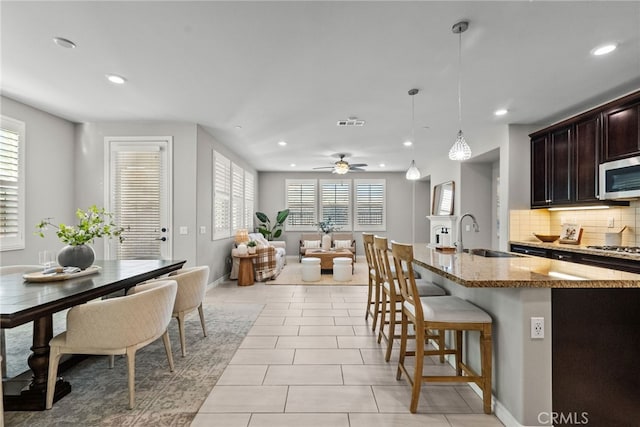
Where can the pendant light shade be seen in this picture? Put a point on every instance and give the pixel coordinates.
(413, 173)
(460, 149)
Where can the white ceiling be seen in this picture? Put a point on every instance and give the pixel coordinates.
(290, 70)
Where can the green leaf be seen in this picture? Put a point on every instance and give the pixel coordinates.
(282, 216)
(277, 234)
(262, 217)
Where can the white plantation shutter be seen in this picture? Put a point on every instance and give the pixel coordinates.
(249, 195)
(136, 201)
(237, 200)
(370, 205)
(335, 202)
(12, 184)
(302, 204)
(221, 196)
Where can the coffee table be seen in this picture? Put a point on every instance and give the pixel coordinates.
(327, 256)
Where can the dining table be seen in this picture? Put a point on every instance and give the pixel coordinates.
(23, 301)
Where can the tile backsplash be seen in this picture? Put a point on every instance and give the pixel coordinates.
(594, 223)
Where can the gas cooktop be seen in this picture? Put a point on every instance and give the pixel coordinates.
(625, 249)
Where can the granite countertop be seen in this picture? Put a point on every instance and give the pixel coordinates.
(519, 272)
(576, 248)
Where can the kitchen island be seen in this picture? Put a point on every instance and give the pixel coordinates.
(586, 365)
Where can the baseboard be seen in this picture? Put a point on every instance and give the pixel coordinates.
(218, 281)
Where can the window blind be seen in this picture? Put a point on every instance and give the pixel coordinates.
(249, 194)
(136, 202)
(237, 200)
(335, 202)
(221, 196)
(370, 205)
(11, 184)
(302, 204)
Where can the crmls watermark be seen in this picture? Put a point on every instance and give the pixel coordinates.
(560, 418)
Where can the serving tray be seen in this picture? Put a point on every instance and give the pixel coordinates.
(55, 277)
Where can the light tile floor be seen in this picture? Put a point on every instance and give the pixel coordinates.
(311, 359)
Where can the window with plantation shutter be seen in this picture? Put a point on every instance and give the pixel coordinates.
(136, 201)
(249, 194)
(12, 184)
(237, 197)
(370, 205)
(221, 196)
(302, 203)
(335, 202)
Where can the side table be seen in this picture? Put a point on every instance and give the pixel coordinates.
(245, 270)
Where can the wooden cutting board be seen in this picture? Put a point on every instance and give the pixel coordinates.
(55, 277)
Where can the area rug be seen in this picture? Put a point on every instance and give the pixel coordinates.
(292, 275)
(99, 395)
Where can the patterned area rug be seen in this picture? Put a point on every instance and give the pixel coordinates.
(292, 275)
(99, 395)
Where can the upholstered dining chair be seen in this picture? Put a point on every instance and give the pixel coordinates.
(11, 269)
(192, 286)
(116, 326)
(391, 298)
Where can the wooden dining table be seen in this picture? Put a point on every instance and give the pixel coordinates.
(22, 302)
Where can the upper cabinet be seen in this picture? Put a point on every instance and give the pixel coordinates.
(621, 131)
(565, 156)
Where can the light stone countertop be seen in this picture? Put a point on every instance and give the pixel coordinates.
(519, 272)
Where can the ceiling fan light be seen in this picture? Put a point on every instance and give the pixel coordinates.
(413, 173)
(341, 168)
(460, 149)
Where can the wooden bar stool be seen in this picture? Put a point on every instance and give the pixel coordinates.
(442, 313)
(373, 295)
(391, 294)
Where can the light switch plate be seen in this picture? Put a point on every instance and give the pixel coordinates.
(184, 230)
(203, 229)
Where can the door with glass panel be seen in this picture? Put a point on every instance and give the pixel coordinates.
(139, 195)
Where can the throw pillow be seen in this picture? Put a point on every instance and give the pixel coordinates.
(338, 244)
(311, 244)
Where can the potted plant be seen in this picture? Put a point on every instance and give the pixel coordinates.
(269, 231)
(327, 227)
(93, 222)
(251, 246)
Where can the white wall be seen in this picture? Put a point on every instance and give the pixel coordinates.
(50, 178)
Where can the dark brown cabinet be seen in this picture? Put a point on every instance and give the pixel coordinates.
(564, 164)
(622, 131)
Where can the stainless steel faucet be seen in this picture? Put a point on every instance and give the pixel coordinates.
(475, 226)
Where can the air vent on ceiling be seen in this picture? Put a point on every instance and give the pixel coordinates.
(351, 122)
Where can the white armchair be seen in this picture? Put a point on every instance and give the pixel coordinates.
(116, 326)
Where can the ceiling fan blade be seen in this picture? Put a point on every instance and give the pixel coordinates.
(356, 170)
(324, 167)
(358, 165)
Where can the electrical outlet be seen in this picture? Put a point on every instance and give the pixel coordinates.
(537, 328)
(203, 229)
(611, 222)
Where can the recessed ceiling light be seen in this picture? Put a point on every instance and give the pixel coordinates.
(62, 42)
(114, 78)
(282, 143)
(603, 50)
(407, 143)
(382, 165)
(500, 112)
(293, 165)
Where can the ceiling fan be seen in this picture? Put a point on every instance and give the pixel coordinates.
(342, 166)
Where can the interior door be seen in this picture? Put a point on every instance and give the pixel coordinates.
(139, 195)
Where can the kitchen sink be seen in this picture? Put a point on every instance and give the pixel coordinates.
(490, 253)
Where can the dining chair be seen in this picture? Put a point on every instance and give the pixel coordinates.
(115, 326)
(11, 269)
(391, 298)
(442, 313)
(373, 294)
(1, 399)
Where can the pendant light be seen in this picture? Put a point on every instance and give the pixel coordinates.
(413, 173)
(460, 149)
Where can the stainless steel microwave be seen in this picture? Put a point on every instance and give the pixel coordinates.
(620, 179)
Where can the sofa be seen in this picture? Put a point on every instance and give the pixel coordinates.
(272, 256)
(339, 240)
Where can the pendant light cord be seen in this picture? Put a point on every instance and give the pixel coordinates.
(460, 79)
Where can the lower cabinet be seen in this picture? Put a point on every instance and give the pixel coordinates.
(622, 264)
